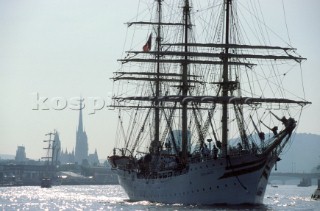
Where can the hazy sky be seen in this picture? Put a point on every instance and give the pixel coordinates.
(61, 49)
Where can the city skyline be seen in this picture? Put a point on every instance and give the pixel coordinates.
(62, 50)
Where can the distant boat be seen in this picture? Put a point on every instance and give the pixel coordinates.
(305, 182)
(46, 183)
(182, 100)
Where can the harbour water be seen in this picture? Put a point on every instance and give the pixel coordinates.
(112, 197)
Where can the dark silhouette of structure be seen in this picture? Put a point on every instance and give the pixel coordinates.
(81, 151)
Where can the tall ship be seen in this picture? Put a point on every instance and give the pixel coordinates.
(203, 105)
(52, 149)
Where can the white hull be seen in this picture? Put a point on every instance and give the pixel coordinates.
(205, 182)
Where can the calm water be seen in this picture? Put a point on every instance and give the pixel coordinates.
(112, 197)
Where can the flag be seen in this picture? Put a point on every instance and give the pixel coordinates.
(147, 46)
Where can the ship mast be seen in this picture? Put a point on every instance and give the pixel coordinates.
(157, 82)
(225, 84)
(188, 52)
(50, 153)
(186, 16)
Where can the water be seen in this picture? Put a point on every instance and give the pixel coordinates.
(112, 197)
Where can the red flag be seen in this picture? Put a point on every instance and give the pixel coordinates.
(147, 46)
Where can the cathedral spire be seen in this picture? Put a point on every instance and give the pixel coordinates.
(80, 126)
(81, 151)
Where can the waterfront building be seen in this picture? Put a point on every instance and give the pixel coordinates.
(93, 158)
(66, 157)
(21, 154)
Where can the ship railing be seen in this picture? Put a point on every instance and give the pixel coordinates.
(172, 172)
(198, 157)
(122, 152)
(155, 175)
(240, 152)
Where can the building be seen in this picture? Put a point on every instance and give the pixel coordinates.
(80, 154)
(93, 159)
(66, 157)
(81, 151)
(21, 155)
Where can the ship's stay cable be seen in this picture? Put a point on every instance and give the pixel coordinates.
(263, 23)
(134, 123)
(134, 30)
(141, 131)
(266, 32)
(169, 120)
(270, 81)
(198, 126)
(279, 85)
(304, 93)
(265, 39)
(262, 33)
(289, 143)
(122, 129)
(255, 29)
(285, 21)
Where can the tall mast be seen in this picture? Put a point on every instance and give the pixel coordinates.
(225, 86)
(186, 15)
(157, 82)
(49, 155)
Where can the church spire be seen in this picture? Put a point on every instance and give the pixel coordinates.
(80, 126)
(81, 151)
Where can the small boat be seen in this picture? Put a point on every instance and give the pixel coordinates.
(46, 183)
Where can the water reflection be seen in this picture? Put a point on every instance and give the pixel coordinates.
(112, 197)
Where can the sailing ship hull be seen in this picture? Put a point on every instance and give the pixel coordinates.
(240, 180)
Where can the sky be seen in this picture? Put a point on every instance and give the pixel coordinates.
(54, 51)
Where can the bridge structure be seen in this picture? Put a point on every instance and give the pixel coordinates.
(285, 176)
